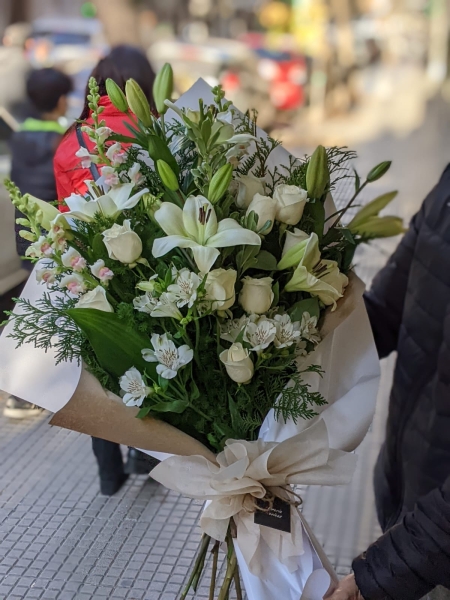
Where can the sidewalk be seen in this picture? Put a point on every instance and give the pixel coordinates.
(59, 539)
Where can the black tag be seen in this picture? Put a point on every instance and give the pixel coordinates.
(277, 517)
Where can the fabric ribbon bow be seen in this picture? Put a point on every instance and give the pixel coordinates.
(243, 473)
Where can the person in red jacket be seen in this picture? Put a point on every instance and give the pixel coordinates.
(123, 63)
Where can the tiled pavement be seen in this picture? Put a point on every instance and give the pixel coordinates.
(60, 539)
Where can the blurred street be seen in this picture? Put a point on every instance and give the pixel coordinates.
(373, 78)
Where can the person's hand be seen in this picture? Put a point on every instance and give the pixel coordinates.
(346, 589)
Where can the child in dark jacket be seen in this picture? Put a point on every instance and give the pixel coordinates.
(34, 146)
(32, 151)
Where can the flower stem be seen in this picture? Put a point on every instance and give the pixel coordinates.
(229, 575)
(212, 587)
(342, 212)
(237, 584)
(199, 562)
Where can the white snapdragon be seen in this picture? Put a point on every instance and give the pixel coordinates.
(85, 156)
(103, 133)
(99, 270)
(96, 299)
(184, 290)
(134, 388)
(135, 174)
(169, 358)
(74, 283)
(73, 260)
(308, 328)
(40, 249)
(110, 177)
(287, 333)
(116, 154)
(260, 334)
(45, 275)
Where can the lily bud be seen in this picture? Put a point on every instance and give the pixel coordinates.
(317, 173)
(379, 227)
(163, 88)
(138, 102)
(168, 177)
(372, 209)
(219, 183)
(116, 95)
(378, 171)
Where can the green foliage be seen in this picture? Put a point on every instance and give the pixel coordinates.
(296, 400)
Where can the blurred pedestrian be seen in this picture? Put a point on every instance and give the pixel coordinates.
(14, 70)
(409, 310)
(32, 152)
(123, 63)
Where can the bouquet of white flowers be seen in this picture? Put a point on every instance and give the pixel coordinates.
(193, 280)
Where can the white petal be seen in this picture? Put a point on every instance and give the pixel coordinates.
(191, 218)
(106, 205)
(161, 246)
(149, 355)
(133, 200)
(205, 257)
(230, 233)
(170, 219)
(165, 372)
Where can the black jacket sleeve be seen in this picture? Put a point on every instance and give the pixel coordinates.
(386, 297)
(413, 557)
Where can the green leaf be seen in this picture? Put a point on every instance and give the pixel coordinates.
(175, 406)
(123, 139)
(159, 150)
(265, 261)
(316, 212)
(98, 246)
(143, 412)
(117, 348)
(310, 305)
(357, 180)
(237, 423)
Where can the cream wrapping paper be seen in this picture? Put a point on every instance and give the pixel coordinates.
(244, 471)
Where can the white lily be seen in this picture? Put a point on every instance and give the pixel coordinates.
(169, 357)
(134, 387)
(110, 204)
(196, 227)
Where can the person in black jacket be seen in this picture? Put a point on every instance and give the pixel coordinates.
(409, 310)
(32, 150)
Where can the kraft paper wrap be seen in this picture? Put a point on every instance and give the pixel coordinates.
(102, 414)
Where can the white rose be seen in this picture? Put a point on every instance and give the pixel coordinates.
(220, 287)
(256, 295)
(122, 243)
(265, 207)
(291, 201)
(293, 238)
(248, 186)
(238, 363)
(96, 298)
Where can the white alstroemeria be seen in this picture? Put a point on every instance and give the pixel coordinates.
(134, 387)
(86, 158)
(103, 134)
(99, 270)
(308, 328)
(169, 357)
(73, 260)
(46, 275)
(230, 330)
(288, 332)
(184, 290)
(96, 299)
(300, 348)
(166, 308)
(116, 154)
(196, 227)
(110, 177)
(74, 283)
(135, 174)
(145, 303)
(40, 249)
(239, 144)
(260, 334)
(248, 187)
(110, 204)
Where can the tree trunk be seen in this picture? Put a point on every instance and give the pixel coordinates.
(120, 20)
